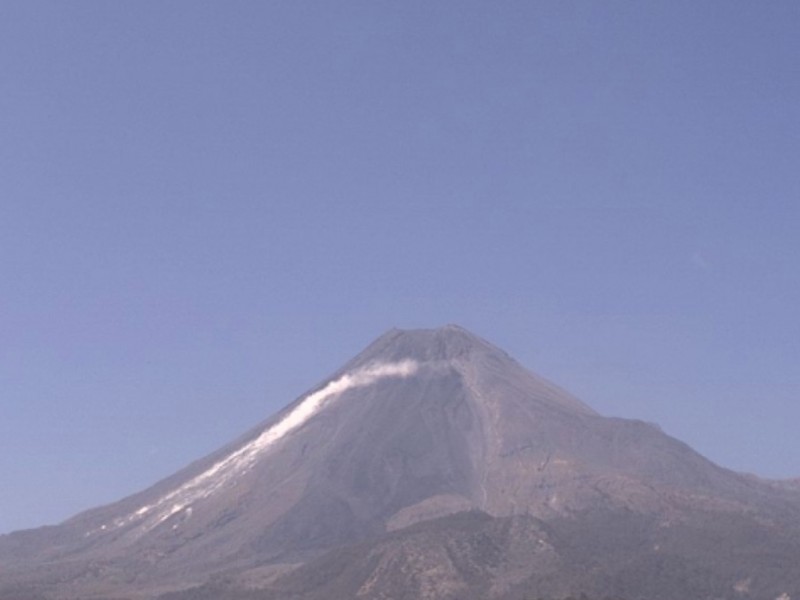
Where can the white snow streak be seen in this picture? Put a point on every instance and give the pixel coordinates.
(240, 461)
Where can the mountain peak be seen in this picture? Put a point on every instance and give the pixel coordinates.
(471, 356)
(423, 345)
(435, 452)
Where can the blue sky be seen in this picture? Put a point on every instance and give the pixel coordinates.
(206, 208)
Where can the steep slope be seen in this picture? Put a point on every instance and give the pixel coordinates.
(421, 425)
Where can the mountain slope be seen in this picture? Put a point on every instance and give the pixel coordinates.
(424, 426)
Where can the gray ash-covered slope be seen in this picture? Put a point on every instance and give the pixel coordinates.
(435, 462)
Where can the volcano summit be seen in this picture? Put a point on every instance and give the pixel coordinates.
(434, 466)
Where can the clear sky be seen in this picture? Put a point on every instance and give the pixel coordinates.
(206, 208)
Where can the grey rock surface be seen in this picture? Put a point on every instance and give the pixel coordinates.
(431, 458)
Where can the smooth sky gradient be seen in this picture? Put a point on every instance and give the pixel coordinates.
(206, 208)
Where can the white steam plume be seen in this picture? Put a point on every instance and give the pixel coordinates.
(207, 482)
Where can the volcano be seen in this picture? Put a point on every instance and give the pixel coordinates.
(432, 466)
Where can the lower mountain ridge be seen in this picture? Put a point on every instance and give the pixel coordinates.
(431, 466)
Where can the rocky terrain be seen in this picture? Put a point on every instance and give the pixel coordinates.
(432, 465)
